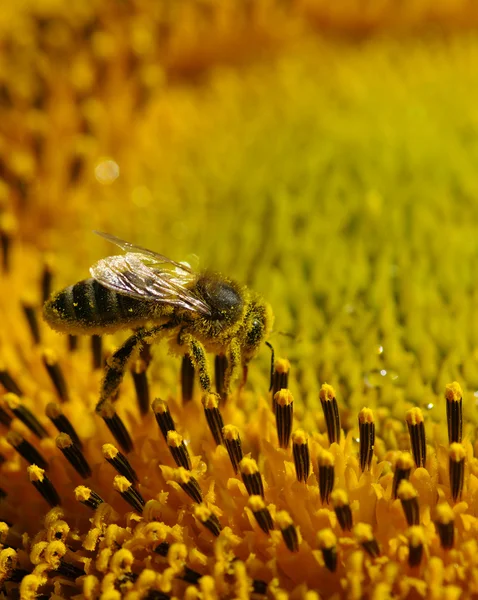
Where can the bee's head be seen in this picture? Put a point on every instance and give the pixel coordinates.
(259, 325)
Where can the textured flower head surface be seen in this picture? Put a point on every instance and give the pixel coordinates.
(322, 155)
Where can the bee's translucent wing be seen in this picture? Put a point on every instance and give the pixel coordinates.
(145, 275)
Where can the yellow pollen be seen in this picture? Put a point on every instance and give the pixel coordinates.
(121, 484)
(444, 513)
(248, 466)
(256, 503)
(453, 392)
(202, 512)
(159, 406)
(406, 491)
(50, 357)
(283, 397)
(327, 392)
(282, 365)
(181, 475)
(339, 498)
(414, 416)
(109, 451)
(415, 535)
(230, 432)
(404, 461)
(35, 473)
(82, 493)
(326, 459)
(12, 400)
(299, 437)
(63, 441)
(210, 401)
(283, 519)
(174, 439)
(457, 452)
(366, 415)
(326, 538)
(363, 532)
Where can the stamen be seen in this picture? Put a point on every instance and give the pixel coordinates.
(456, 466)
(454, 412)
(43, 485)
(129, 493)
(280, 378)
(220, 368)
(213, 416)
(251, 477)
(25, 415)
(284, 411)
(331, 412)
(445, 525)
(328, 544)
(117, 427)
(416, 539)
(178, 450)
(288, 530)
(187, 378)
(119, 462)
(188, 483)
(162, 549)
(46, 281)
(232, 441)
(163, 417)
(409, 498)
(88, 497)
(261, 513)
(300, 449)
(326, 475)
(208, 519)
(141, 385)
(26, 450)
(403, 468)
(340, 502)
(416, 430)
(367, 438)
(8, 227)
(32, 320)
(97, 352)
(364, 536)
(5, 418)
(9, 383)
(61, 422)
(55, 372)
(72, 342)
(73, 455)
(259, 586)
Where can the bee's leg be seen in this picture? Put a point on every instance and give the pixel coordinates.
(116, 364)
(233, 355)
(197, 355)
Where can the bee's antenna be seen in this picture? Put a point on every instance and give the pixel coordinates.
(272, 363)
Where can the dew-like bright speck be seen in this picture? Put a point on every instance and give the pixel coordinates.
(324, 156)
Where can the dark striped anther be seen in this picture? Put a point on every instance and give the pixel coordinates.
(331, 412)
(261, 513)
(445, 525)
(26, 450)
(408, 496)
(118, 429)
(30, 312)
(163, 417)
(61, 422)
(288, 530)
(207, 518)
(119, 462)
(280, 377)
(8, 382)
(188, 483)
(416, 430)
(73, 455)
(25, 415)
(284, 413)
(88, 497)
(210, 402)
(232, 441)
(327, 542)
(179, 450)
(403, 468)
(454, 412)
(41, 483)
(46, 279)
(300, 450)
(187, 378)
(326, 462)
(129, 493)
(367, 438)
(141, 385)
(340, 502)
(251, 477)
(456, 469)
(55, 372)
(416, 538)
(364, 535)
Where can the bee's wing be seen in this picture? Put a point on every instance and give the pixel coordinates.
(148, 276)
(153, 256)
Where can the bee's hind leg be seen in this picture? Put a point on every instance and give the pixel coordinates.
(197, 355)
(116, 364)
(233, 356)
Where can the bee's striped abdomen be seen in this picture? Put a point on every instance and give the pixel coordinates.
(89, 307)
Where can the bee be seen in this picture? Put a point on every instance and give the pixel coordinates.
(160, 298)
